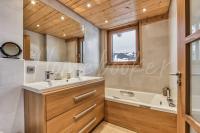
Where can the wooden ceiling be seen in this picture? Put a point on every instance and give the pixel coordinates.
(117, 12)
(49, 21)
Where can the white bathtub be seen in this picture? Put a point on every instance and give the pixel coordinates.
(140, 99)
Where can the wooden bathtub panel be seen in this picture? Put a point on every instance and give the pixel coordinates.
(139, 119)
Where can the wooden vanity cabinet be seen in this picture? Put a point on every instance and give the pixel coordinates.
(65, 110)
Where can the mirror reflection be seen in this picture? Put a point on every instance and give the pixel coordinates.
(50, 35)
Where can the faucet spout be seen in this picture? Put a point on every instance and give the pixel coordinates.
(48, 75)
(78, 72)
(167, 92)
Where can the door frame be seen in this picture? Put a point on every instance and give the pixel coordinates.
(184, 41)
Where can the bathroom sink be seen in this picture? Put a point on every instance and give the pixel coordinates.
(74, 80)
(44, 86)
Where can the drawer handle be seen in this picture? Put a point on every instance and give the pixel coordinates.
(83, 96)
(88, 125)
(76, 117)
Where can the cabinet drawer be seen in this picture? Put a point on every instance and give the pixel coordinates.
(87, 123)
(78, 118)
(62, 101)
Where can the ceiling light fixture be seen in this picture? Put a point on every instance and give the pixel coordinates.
(89, 5)
(144, 9)
(106, 21)
(62, 18)
(33, 2)
(38, 25)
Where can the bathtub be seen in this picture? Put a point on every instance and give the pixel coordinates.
(140, 99)
(140, 112)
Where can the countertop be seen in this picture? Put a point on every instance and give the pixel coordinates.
(42, 87)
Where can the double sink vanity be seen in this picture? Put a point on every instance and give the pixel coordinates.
(75, 105)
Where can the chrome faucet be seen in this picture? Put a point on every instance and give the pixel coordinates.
(167, 92)
(48, 75)
(78, 72)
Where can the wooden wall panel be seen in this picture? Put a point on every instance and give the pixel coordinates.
(26, 48)
(140, 120)
(117, 12)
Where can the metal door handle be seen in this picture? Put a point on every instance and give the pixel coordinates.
(178, 74)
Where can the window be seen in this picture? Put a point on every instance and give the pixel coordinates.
(123, 46)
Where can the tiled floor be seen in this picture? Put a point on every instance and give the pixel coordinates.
(105, 127)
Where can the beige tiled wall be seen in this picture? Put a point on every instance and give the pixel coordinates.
(11, 70)
(38, 45)
(173, 48)
(55, 67)
(11, 96)
(153, 75)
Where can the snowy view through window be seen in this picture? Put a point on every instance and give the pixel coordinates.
(124, 46)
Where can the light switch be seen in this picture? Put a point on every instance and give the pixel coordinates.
(30, 69)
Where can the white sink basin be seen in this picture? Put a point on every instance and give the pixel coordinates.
(44, 86)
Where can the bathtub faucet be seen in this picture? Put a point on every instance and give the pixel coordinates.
(167, 92)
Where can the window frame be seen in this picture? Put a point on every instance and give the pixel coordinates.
(109, 45)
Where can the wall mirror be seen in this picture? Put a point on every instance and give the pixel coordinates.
(50, 35)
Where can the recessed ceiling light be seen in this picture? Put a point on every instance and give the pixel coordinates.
(89, 5)
(62, 18)
(33, 2)
(144, 9)
(38, 25)
(106, 21)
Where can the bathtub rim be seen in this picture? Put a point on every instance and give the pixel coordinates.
(140, 104)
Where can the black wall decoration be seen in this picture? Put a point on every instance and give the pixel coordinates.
(10, 50)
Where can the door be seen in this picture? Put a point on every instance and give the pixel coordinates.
(26, 48)
(80, 50)
(189, 66)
